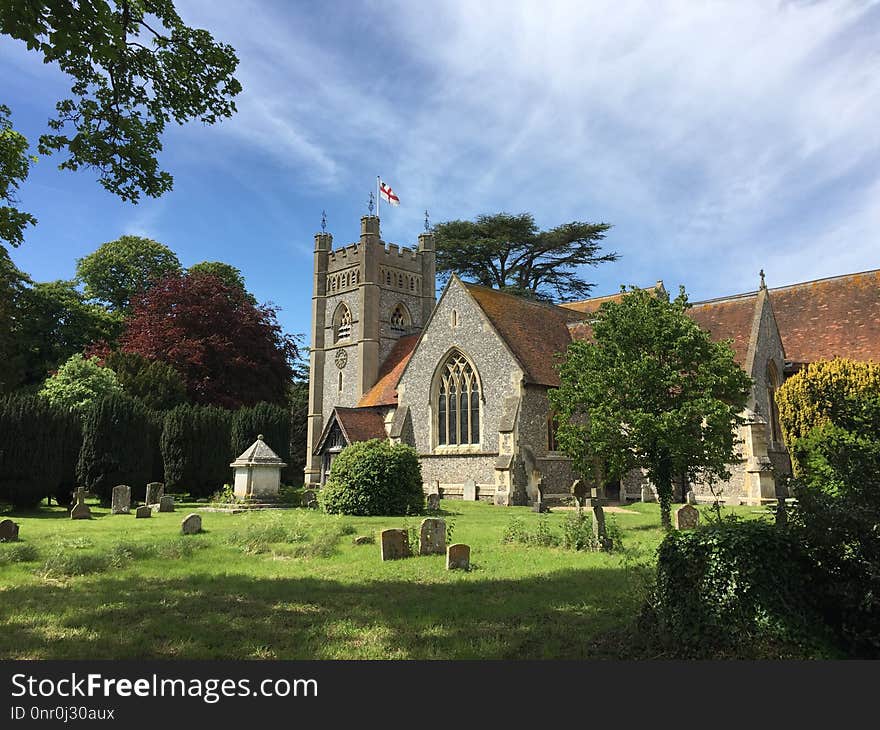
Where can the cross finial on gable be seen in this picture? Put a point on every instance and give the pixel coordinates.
(761, 274)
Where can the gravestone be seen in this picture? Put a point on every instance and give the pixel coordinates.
(469, 491)
(395, 544)
(691, 497)
(166, 503)
(80, 510)
(364, 540)
(648, 493)
(600, 532)
(458, 557)
(8, 531)
(191, 525)
(309, 499)
(687, 517)
(433, 502)
(579, 492)
(155, 490)
(121, 500)
(432, 537)
(143, 511)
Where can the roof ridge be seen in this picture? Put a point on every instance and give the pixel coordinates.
(825, 278)
(523, 300)
(728, 298)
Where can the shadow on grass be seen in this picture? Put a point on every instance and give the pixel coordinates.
(560, 615)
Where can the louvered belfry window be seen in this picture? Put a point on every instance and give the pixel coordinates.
(458, 409)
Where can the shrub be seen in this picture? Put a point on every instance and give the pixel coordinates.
(729, 585)
(517, 531)
(79, 383)
(17, 552)
(374, 478)
(196, 449)
(116, 446)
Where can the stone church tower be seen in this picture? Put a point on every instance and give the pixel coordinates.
(365, 297)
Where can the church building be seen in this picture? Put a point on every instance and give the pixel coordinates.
(464, 379)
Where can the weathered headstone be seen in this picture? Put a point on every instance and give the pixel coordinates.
(121, 500)
(166, 503)
(691, 497)
(364, 540)
(155, 490)
(432, 537)
(433, 502)
(458, 557)
(469, 491)
(80, 510)
(687, 517)
(579, 492)
(395, 544)
(143, 511)
(191, 525)
(648, 493)
(8, 531)
(309, 499)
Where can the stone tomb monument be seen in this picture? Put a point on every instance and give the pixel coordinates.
(8, 531)
(432, 537)
(458, 557)
(121, 500)
(257, 472)
(166, 503)
(155, 491)
(395, 544)
(191, 525)
(687, 517)
(80, 510)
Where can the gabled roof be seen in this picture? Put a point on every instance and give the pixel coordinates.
(728, 319)
(834, 317)
(384, 392)
(535, 332)
(356, 424)
(258, 453)
(591, 306)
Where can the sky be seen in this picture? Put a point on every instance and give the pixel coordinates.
(717, 138)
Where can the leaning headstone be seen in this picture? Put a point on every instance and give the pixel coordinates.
(191, 525)
(309, 499)
(155, 490)
(8, 531)
(691, 497)
(143, 511)
(433, 502)
(458, 557)
(687, 517)
(648, 493)
(121, 500)
(579, 492)
(469, 491)
(395, 544)
(166, 503)
(80, 510)
(432, 537)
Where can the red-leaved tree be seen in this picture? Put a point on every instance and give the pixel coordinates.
(230, 352)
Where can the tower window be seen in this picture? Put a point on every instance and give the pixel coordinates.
(458, 402)
(400, 319)
(342, 322)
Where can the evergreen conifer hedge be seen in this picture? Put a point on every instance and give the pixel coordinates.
(196, 449)
(264, 418)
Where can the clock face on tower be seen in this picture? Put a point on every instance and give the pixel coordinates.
(341, 358)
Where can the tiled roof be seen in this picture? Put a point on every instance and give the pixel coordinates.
(728, 319)
(258, 453)
(835, 317)
(361, 424)
(535, 332)
(384, 392)
(591, 306)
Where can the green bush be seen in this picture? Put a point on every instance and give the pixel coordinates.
(18, 552)
(116, 446)
(729, 587)
(264, 418)
(196, 449)
(374, 478)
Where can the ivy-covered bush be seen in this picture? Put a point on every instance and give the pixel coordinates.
(116, 446)
(374, 478)
(731, 588)
(196, 449)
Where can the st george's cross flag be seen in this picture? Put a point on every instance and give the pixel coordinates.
(387, 194)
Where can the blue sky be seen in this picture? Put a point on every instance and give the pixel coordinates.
(718, 138)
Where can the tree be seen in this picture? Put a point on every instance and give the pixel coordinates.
(509, 252)
(229, 352)
(271, 420)
(227, 273)
(156, 384)
(15, 163)
(119, 269)
(13, 283)
(196, 449)
(298, 405)
(79, 383)
(653, 391)
(135, 66)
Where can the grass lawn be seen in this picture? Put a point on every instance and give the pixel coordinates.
(291, 585)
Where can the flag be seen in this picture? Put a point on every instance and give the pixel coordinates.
(387, 194)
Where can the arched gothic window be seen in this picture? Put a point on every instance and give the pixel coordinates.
(342, 322)
(400, 319)
(458, 404)
(772, 385)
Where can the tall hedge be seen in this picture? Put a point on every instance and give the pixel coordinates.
(34, 443)
(196, 449)
(264, 418)
(116, 446)
(69, 445)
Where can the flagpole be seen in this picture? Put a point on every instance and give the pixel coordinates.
(378, 194)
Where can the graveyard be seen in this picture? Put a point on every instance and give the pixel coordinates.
(293, 584)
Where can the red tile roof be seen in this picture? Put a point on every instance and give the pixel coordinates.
(535, 332)
(834, 317)
(728, 319)
(384, 392)
(361, 424)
